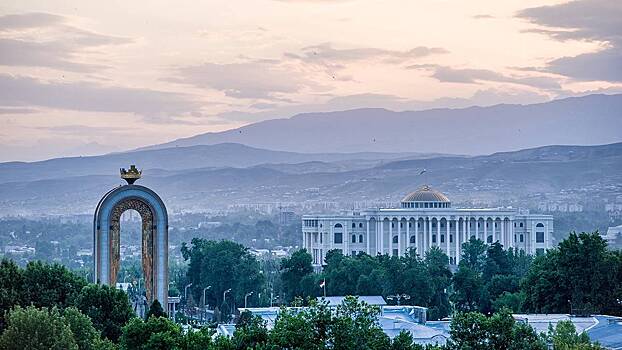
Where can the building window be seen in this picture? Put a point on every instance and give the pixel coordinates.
(361, 225)
(353, 225)
(540, 224)
(338, 237)
(539, 251)
(520, 225)
(412, 239)
(451, 238)
(353, 238)
(433, 224)
(360, 238)
(394, 239)
(522, 238)
(321, 234)
(442, 225)
(392, 224)
(489, 239)
(514, 224)
(410, 224)
(338, 226)
(451, 225)
(442, 238)
(539, 237)
(433, 238)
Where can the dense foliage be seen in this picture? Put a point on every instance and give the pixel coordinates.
(580, 273)
(222, 266)
(45, 306)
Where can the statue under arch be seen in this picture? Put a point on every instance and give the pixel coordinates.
(107, 230)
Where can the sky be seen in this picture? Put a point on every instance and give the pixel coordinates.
(89, 77)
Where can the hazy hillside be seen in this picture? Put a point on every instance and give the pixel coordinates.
(176, 158)
(576, 174)
(588, 120)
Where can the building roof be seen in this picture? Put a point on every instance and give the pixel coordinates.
(425, 194)
(375, 300)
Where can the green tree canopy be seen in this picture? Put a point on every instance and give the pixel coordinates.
(155, 310)
(37, 329)
(293, 270)
(108, 308)
(222, 265)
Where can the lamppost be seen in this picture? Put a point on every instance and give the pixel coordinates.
(224, 294)
(246, 297)
(399, 298)
(205, 289)
(186, 292)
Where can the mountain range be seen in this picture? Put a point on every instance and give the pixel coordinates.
(588, 120)
(575, 174)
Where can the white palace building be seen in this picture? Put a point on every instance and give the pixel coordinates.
(425, 219)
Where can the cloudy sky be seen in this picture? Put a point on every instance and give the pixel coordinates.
(84, 77)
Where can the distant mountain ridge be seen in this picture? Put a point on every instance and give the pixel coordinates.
(176, 158)
(583, 174)
(587, 120)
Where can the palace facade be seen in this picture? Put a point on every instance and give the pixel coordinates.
(425, 219)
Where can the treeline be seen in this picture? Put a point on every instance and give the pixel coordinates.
(580, 276)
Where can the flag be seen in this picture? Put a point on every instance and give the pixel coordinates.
(323, 283)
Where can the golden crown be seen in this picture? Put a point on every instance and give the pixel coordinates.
(130, 175)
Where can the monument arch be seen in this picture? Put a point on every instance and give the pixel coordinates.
(107, 232)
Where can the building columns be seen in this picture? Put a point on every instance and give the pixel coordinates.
(457, 239)
(430, 231)
(367, 238)
(399, 237)
(417, 235)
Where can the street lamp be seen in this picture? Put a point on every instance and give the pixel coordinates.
(186, 292)
(399, 298)
(224, 294)
(246, 297)
(204, 289)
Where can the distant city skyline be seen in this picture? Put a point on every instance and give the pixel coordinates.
(87, 78)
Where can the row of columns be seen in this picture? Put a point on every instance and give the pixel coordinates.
(462, 227)
(462, 231)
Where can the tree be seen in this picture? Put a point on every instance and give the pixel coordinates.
(250, 333)
(467, 289)
(439, 279)
(222, 265)
(155, 333)
(85, 335)
(303, 330)
(36, 329)
(108, 308)
(47, 285)
(355, 326)
(198, 340)
(293, 270)
(565, 337)
(474, 254)
(155, 310)
(580, 274)
(474, 331)
(404, 341)
(11, 282)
